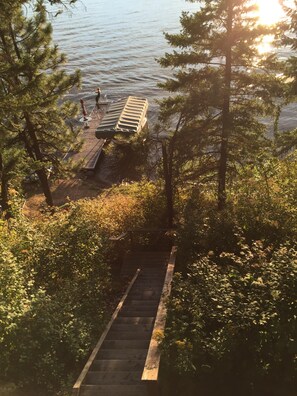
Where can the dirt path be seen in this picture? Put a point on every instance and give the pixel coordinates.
(63, 192)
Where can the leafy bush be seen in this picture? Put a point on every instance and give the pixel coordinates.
(232, 323)
(263, 205)
(13, 303)
(56, 290)
(57, 316)
(265, 200)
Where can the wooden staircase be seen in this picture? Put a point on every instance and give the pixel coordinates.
(151, 262)
(122, 356)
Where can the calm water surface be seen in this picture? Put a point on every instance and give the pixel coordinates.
(115, 44)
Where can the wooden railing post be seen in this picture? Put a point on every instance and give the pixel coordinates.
(152, 364)
(153, 388)
(131, 238)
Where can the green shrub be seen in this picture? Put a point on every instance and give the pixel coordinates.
(56, 291)
(262, 206)
(232, 326)
(57, 316)
(264, 199)
(14, 303)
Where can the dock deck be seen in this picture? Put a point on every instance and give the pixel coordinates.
(125, 116)
(91, 148)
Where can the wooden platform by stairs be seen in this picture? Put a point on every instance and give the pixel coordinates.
(91, 148)
(125, 361)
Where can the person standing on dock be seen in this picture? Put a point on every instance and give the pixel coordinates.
(97, 98)
(84, 110)
(85, 114)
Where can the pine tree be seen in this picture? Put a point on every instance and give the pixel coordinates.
(287, 140)
(222, 87)
(33, 85)
(12, 167)
(290, 39)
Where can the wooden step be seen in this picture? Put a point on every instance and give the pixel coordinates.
(140, 254)
(125, 344)
(128, 335)
(145, 266)
(153, 274)
(131, 327)
(118, 364)
(148, 260)
(157, 287)
(149, 295)
(150, 282)
(148, 320)
(119, 354)
(133, 303)
(126, 269)
(142, 308)
(113, 377)
(145, 257)
(142, 293)
(134, 312)
(150, 279)
(147, 286)
(158, 262)
(113, 390)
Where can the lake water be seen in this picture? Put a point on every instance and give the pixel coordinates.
(115, 44)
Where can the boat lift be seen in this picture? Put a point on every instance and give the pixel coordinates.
(127, 116)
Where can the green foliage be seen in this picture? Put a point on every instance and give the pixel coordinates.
(56, 292)
(262, 206)
(232, 314)
(32, 86)
(265, 200)
(69, 249)
(12, 169)
(142, 203)
(54, 337)
(232, 325)
(221, 89)
(55, 284)
(13, 300)
(131, 156)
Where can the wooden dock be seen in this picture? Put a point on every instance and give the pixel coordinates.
(127, 116)
(91, 148)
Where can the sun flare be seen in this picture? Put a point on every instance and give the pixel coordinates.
(270, 11)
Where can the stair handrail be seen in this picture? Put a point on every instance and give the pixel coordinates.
(77, 385)
(152, 363)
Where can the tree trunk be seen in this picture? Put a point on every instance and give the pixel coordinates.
(35, 153)
(41, 173)
(4, 190)
(168, 185)
(225, 115)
